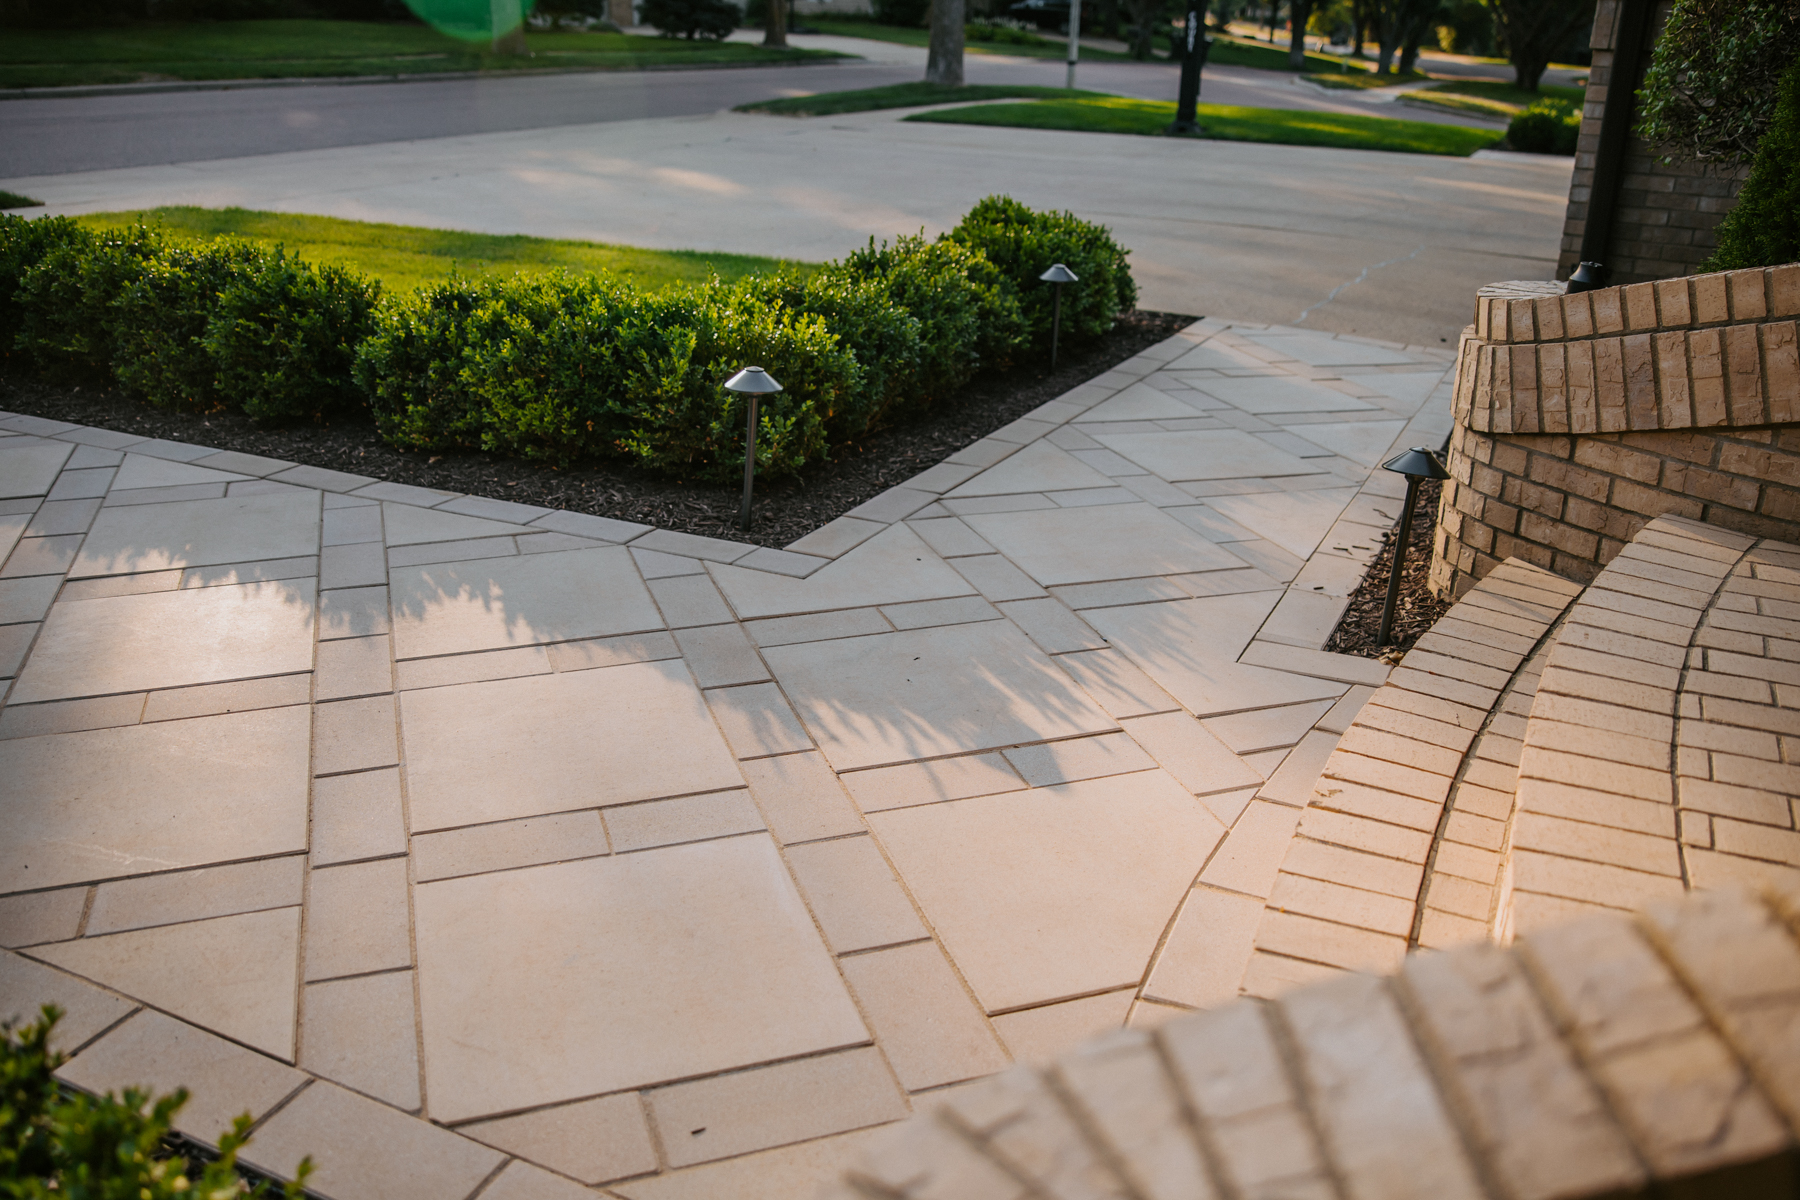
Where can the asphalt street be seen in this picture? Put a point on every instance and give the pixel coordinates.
(59, 135)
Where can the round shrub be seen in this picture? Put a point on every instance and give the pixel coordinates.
(1546, 126)
(968, 317)
(411, 367)
(1024, 243)
(283, 338)
(160, 322)
(67, 299)
(24, 244)
(1763, 228)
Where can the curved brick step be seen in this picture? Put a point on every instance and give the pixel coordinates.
(1400, 845)
(1612, 1056)
(1655, 757)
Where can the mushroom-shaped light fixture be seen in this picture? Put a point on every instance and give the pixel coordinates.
(1056, 276)
(1418, 465)
(750, 382)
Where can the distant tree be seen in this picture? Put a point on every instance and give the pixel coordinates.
(1400, 25)
(1299, 13)
(1715, 77)
(1534, 30)
(944, 62)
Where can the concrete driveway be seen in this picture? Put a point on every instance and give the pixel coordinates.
(1375, 244)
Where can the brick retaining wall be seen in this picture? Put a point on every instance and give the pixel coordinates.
(1581, 418)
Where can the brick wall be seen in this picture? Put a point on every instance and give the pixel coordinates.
(1665, 216)
(1581, 418)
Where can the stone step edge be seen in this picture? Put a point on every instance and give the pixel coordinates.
(1602, 1057)
(1382, 821)
(1596, 822)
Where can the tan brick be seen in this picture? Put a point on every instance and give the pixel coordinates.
(1021, 1121)
(1597, 843)
(1673, 309)
(1615, 718)
(1743, 376)
(1609, 310)
(1542, 1123)
(1710, 305)
(1297, 895)
(1227, 1063)
(1670, 1091)
(1784, 291)
(1612, 989)
(1749, 301)
(1474, 830)
(1359, 833)
(1577, 315)
(1756, 841)
(1547, 316)
(1579, 381)
(1676, 409)
(1706, 364)
(1781, 371)
(1466, 898)
(1352, 868)
(1559, 736)
(1593, 883)
(1376, 1103)
(1376, 716)
(1619, 812)
(1439, 930)
(1121, 1088)
(1639, 303)
(1339, 796)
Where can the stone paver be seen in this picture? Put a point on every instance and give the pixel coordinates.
(650, 861)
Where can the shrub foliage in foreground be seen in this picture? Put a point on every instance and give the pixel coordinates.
(57, 1145)
(561, 368)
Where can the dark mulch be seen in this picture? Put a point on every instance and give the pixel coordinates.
(1417, 609)
(785, 509)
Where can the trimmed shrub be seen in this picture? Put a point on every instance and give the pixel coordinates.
(57, 1145)
(908, 13)
(708, 20)
(884, 338)
(1547, 126)
(1023, 244)
(160, 322)
(1763, 228)
(23, 245)
(411, 367)
(67, 300)
(968, 317)
(284, 334)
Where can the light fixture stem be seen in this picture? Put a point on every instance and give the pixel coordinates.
(1393, 592)
(1055, 324)
(749, 465)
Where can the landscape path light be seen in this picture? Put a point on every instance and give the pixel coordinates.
(1056, 276)
(1418, 465)
(750, 382)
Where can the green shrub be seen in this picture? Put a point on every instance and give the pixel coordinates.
(411, 367)
(562, 368)
(160, 322)
(884, 338)
(907, 13)
(68, 1146)
(1547, 126)
(24, 244)
(1000, 33)
(705, 19)
(1763, 228)
(968, 317)
(67, 300)
(283, 338)
(1023, 243)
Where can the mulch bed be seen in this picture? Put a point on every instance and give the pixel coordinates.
(1417, 609)
(785, 509)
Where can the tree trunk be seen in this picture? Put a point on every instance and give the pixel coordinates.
(1299, 12)
(1143, 37)
(944, 65)
(1416, 30)
(775, 24)
(1528, 71)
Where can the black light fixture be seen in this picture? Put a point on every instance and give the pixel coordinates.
(1418, 465)
(750, 382)
(1056, 276)
(1586, 277)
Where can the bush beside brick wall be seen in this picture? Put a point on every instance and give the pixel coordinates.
(1579, 419)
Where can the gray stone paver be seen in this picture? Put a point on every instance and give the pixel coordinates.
(926, 860)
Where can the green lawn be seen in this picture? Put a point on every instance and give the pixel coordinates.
(1501, 100)
(14, 200)
(205, 50)
(840, 26)
(1117, 114)
(902, 95)
(404, 257)
(1355, 77)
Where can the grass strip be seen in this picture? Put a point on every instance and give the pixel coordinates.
(1359, 80)
(905, 35)
(404, 257)
(14, 200)
(902, 95)
(1291, 127)
(209, 50)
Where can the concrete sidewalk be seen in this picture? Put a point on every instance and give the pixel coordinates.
(656, 863)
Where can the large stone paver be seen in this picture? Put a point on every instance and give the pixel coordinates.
(644, 968)
(646, 861)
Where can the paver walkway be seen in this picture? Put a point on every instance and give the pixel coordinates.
(633, 855)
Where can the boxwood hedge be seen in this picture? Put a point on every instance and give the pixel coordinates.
(560, 368)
